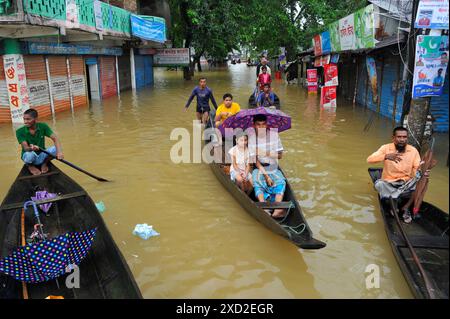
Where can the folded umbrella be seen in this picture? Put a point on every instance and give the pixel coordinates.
(48, 259)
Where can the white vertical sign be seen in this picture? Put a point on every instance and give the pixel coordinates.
(16, 85)
(72, 14)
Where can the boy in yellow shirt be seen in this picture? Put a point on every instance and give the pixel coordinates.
(226, 109)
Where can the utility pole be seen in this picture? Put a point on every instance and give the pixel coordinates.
(414, 111)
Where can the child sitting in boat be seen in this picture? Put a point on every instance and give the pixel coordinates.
(240, 166)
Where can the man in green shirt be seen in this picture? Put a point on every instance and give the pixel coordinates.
(32, 137)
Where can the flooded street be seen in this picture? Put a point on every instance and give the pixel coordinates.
(209, 246)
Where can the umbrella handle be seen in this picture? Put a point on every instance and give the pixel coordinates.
(36, 214)
(30, 202)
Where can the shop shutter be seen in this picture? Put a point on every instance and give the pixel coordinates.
(60, 83)
(439, 109)
(148, 70)
(108, 76)
(5, 113)
(124, 72)
(362, 80)
(388, 91)
(77, 81)
(37, 83)
(140, 70)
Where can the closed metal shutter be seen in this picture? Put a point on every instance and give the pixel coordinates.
(108, 76)
(388, 92)
(124, 72)
(140, 70)
(77, 81)
(439, 109)
(37, 83)
(59, 82)
(5, 113)
(362, 80)
(148, 70)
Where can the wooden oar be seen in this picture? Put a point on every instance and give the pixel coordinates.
(100, 179)
(430, 290)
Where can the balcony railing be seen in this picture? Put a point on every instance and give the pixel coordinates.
(116, 21)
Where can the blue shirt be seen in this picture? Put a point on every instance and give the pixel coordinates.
(203, 97)
(438, 80)
(262, 101)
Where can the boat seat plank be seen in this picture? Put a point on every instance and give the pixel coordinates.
(21, 178)
(431, 242)
(265, 205)
(51, 200)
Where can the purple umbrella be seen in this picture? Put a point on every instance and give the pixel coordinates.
(41, 195)
(244, 119)
(48, 259)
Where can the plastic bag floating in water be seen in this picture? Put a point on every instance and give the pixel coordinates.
(100, 206)
(145, 231)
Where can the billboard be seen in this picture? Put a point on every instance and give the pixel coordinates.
(430, 65)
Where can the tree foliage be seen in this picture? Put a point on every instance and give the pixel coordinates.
(215, 27)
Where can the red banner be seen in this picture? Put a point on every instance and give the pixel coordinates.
(328, 96)
(331, 74)
(317, 45)
(311, 77)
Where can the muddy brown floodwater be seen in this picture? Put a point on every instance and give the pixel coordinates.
(209, 246)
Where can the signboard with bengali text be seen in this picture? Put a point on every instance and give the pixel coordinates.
(16, 86)
(171, 57)
(432, 14)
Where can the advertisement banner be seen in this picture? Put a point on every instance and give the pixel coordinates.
(430, 65)
(171, 57)
(432, 14)
(16, 85)
(149, 28)
(328, 96)
(334, 58)
(335, 38)
(372, 73)
(331, 74)
(311, 78)
(317, 45)
(347, 33)
(98, 15)
(365, 28)
(326, 42)
(72, 14)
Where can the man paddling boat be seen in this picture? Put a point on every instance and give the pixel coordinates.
(31, 137)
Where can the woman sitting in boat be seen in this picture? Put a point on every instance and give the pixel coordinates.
(31, 137)
(266, 98)
(240, 168)
(266, 149)
(226, 109)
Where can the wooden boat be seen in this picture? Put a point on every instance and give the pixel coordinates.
(294, 227)
(252, 102)
(104, 272)
(429, 238)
